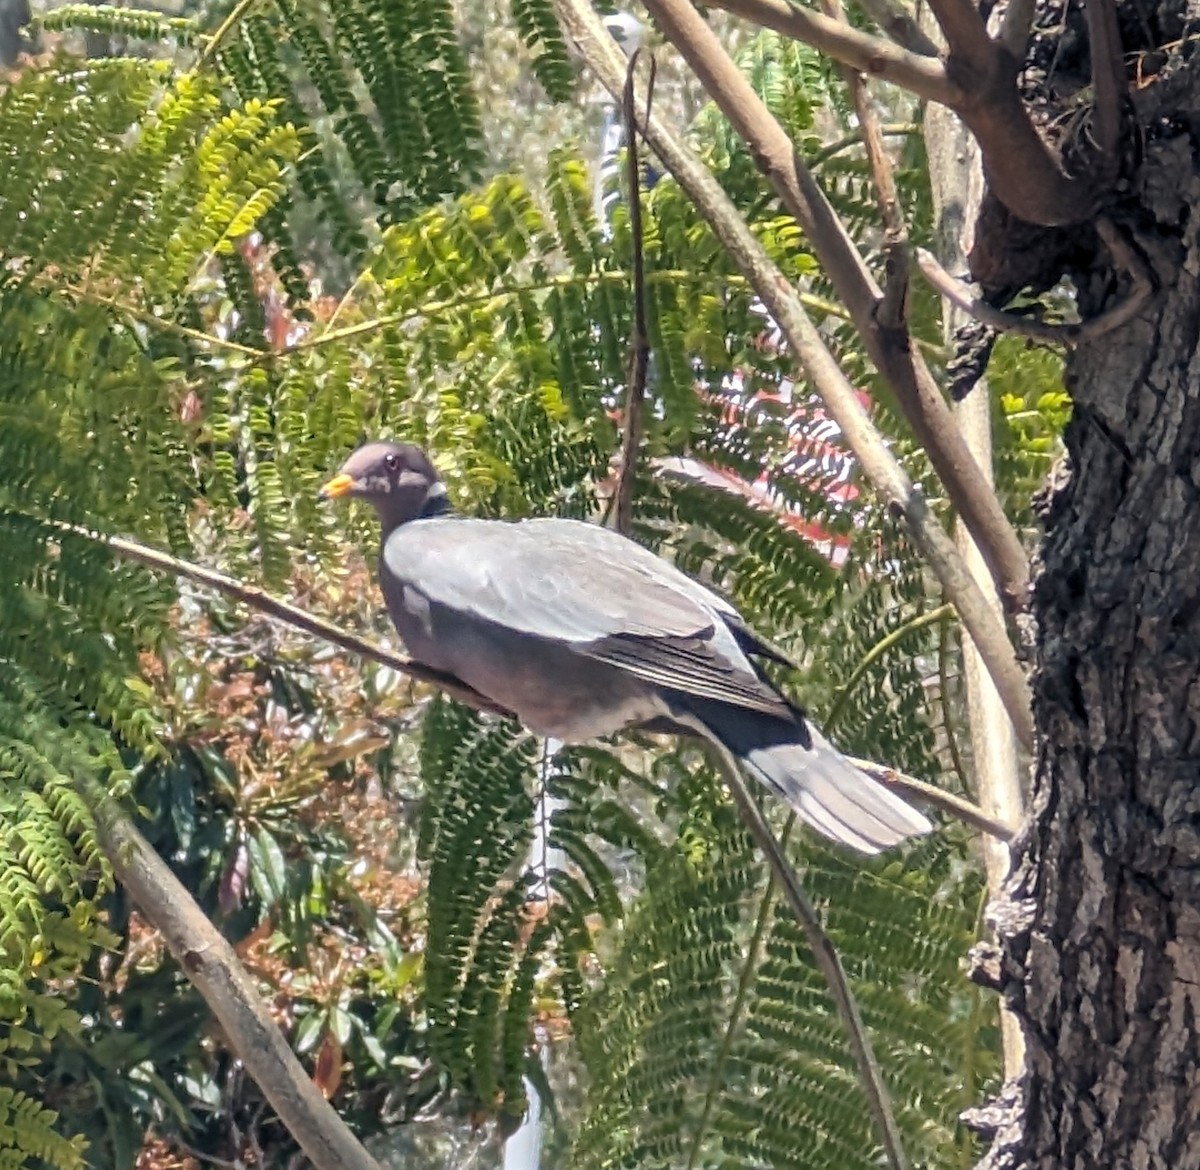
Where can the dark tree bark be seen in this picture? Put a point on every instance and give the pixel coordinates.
(1101, 959)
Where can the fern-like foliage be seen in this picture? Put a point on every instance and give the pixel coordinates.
(713, 1041)
(539, 29)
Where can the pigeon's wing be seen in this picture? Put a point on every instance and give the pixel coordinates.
(565, 581)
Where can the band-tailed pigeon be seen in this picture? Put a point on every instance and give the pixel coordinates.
(582, 632)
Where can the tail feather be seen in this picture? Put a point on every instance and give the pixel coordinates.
(798, 763)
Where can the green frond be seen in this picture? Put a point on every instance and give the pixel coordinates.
(539, 30)
(718, 1045)
(477, 829)
(114, 21)
(27, 1130)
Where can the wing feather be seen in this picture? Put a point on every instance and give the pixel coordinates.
(610, 599)
(690, 665)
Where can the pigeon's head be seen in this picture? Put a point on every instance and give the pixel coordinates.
(398, 479)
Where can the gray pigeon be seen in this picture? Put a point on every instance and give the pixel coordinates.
(581, 633)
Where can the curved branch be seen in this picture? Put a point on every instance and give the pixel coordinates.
(977, 81)
(639, 339)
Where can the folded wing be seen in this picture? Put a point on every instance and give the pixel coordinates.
(607, 598)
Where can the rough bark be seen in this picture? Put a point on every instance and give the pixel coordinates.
(1101, 958)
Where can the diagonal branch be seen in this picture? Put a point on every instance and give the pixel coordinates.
(1069, 333)
(826, 956)
(899, 25)
(212, 966)
(997, 828)
(808, 347)
(716, 1081)
(887, 342)
(966, 34)
(293, 615)
(214, 43)
(1015, 26)
(892, 310)
(922, 75)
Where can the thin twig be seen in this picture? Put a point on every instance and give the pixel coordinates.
(293, 615)
(808, 346)
(956, 760)
(922, 75)
(889, 642)
(898, 24)
(258, 355)
(226, 26)
(889, 129)
(958, 807)
(1069, 333)
(745, 980)
(639, 341)
(212, 966)
(892, 310)
(826, 956)
(163, 324)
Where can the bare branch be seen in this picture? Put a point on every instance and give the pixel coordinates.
(275, 607)
(213, 45)
(639, 342)
(890, 349)
(1069, 333)
(898, 24)
(959, 294)
(978, 82)
(921, 75)
(939, 798)
(1014, 31)
(808, 347)
(889, 130)
(826, 956)
(966, 34)
(212, 966)
(892, 310)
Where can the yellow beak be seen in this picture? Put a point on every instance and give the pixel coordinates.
(340, 485)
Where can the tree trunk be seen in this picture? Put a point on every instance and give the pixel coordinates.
(1101, 958)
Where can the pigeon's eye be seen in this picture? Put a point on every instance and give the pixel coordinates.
(391, 462)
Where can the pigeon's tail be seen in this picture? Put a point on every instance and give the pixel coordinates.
(796, 762)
